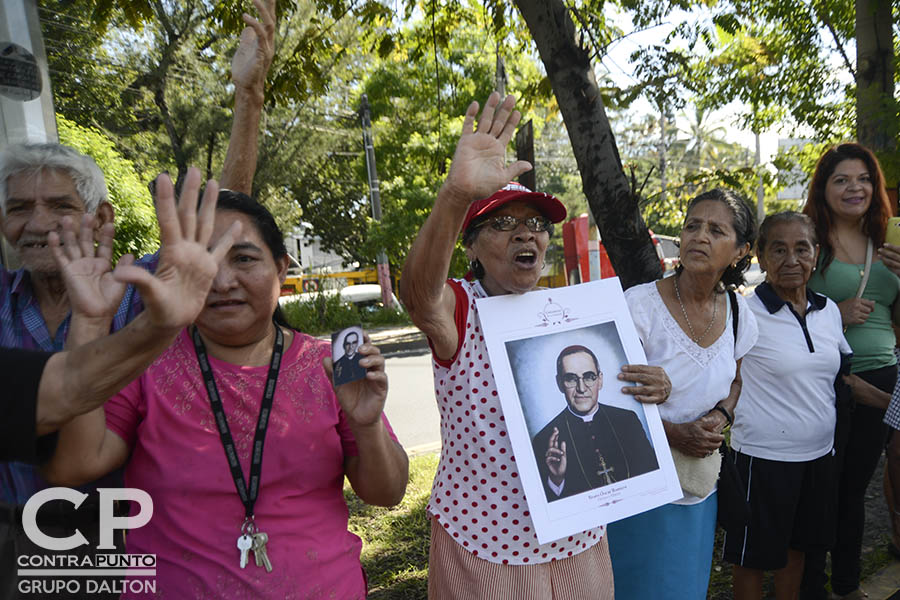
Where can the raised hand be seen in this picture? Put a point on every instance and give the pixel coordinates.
(94, 293)
(363, 400)
(253, 57)
(653, 385)
(479, 163)
(176, 293)
(556, 458)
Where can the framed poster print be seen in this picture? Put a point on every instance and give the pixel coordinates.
(588, 454)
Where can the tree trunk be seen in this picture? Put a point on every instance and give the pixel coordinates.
(876, 109)
(175, 138)
(610, 197)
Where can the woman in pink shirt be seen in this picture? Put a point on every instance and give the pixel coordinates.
(229, 520)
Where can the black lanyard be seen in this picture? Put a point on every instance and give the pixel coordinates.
(262, 423)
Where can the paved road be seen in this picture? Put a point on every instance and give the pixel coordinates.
(411, 407)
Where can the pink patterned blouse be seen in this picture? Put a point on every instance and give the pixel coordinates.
(177, 457)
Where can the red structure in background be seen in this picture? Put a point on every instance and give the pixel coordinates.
(577, 248)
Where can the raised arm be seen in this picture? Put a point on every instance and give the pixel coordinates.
(249, 68)
(478, 170)
(80, 380)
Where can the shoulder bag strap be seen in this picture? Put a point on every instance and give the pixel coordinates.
(865, 275)
(732, 297)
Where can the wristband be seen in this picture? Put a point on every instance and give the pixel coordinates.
(724, 411)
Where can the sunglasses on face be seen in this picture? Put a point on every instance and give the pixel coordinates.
(509, 223)
(570, 380)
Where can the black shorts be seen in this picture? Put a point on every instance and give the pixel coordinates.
(792, 506)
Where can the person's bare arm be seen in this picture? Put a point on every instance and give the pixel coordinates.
(701, 437)
(428, 299)
(249, 68)
(380, 470)
(78, 381)
(85, 450)
(729, 403)
(866, 393)
(478, 170)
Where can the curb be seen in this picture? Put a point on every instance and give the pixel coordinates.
(885, 584)
(423, 449)
(395, 340)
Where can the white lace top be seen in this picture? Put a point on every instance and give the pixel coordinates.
(477, 495)
(700, 376)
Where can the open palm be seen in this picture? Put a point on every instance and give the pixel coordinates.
(92, 289)
(254, 55)
(176, 293)
(479, 163)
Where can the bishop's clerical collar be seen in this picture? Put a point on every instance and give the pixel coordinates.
(588, 417)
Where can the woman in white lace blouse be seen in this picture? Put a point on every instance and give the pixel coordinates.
(686, 325)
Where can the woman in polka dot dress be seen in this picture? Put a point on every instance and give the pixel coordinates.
(483, 543)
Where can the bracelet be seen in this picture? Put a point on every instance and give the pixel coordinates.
(724, 411)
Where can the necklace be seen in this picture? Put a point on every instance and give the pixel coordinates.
(849, 256)
(695, 339)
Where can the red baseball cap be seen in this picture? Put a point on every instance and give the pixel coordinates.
(549, 206)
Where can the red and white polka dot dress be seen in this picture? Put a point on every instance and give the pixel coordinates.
(477, 495)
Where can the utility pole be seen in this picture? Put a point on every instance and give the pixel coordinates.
(381, 267)
(760, 190)
(500, 74)
(525, 151)
(662, 154)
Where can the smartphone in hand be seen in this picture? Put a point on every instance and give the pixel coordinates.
(892, 235)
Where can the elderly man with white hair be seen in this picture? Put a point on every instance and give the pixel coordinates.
(40, 184)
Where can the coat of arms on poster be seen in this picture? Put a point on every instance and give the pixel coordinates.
(588, 454)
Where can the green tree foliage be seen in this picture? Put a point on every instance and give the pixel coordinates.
(418, 93)
(136, 228)
(159, 86)
(698, 158)
(153, 77)
(157, 76)
(792, 64)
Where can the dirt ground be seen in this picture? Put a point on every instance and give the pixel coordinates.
(878, 521)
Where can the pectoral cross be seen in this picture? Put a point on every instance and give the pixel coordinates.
(604, 472)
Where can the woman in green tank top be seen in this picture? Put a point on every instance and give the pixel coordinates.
(849, 205)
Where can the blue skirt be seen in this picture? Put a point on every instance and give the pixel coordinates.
(664, 553)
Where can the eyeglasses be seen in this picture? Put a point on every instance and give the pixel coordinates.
(509, 223)
(570, 380)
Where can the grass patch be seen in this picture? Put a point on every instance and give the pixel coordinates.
(395, 543)
(395, 540)
(326, 313)
(386, 316)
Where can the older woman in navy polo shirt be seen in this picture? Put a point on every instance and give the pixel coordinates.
(783, 432)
